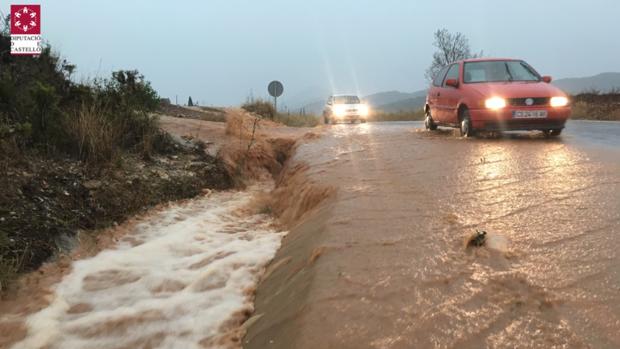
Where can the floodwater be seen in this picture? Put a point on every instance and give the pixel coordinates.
(183, 278)
(395, 270)
(385, 263)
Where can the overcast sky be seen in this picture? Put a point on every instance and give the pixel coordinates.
(220, 51)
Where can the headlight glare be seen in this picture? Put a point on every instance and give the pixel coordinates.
(339, 110)
(559, 101)
(495, 103)
(364, 110)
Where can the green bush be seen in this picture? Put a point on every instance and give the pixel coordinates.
(261, 107)
(40, 107)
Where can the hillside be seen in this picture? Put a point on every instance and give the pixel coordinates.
(390, 97)
(389, 101)
(604, 82)
(405, 105)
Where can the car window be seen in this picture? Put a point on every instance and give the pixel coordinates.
(498, 71)
(346, 100)
(453, 73)
(439, 77)
(520, 71)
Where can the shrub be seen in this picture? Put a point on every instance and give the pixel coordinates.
(596, 106)
(95, 133)
(260, 107)
(41, 107)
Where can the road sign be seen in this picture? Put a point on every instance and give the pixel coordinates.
(275, 88)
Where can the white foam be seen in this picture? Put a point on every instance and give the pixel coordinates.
(199, 246)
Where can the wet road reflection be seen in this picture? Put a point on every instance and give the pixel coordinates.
(399, 274)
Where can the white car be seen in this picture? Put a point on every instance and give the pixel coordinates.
(345, 108)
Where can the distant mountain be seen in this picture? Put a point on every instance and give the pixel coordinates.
(405, 105)
(395, 101)
(389, 97)
(603, 82)
(315, 108)
(389, 101)
(306, 98)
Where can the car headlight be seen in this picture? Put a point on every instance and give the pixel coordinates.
(495, 103)
(364, 110)
(340, 110)
(559, 101)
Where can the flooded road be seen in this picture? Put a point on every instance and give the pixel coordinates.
(394, 270)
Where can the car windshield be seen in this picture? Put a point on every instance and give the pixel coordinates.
(498, 71)
(346, 100)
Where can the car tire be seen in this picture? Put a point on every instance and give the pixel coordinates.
(429, 124)
(552, 133)
(467, 129)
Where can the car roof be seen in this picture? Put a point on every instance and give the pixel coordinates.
(487, 60)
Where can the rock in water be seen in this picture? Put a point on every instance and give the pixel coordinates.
(478, 239)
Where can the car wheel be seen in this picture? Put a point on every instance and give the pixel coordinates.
(467, 129)
(552, 133)
(429, 124)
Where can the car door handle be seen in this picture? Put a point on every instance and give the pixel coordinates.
(438, 94)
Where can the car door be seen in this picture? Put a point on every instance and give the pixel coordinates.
(434, 92)
(450, 96)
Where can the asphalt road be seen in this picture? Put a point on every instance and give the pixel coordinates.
(395, 271)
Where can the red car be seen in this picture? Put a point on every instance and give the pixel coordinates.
(495, 95)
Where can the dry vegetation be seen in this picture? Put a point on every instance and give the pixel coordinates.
(597, 106)
(252, 154)
(77, 156)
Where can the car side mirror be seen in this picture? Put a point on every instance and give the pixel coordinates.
(547, 78)
(452, 82)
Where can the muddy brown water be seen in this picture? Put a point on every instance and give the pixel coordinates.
(385, 263)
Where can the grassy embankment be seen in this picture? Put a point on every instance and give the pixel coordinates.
(77, 157)
(597, 106)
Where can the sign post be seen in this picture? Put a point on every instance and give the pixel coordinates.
(275, 89)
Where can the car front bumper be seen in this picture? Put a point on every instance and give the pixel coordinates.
(502, 120)
(349, 117)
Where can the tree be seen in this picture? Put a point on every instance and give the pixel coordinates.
(5, 27)
(451, 47)
(190, 103)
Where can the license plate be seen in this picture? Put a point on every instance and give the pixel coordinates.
(529, 114)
